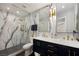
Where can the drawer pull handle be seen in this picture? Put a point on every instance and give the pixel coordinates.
(50, 51)
(50, 46)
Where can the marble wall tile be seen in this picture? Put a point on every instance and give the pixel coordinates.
(11, 35)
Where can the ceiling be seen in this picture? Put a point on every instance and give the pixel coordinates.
(23, 9)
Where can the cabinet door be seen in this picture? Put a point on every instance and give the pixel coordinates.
(71, 51)
(62, 51)
(76, 52)
(39, 50)
(38, 46)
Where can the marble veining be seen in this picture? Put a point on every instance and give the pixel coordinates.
(12, 30)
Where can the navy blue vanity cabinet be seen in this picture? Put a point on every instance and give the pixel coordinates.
(45, 48)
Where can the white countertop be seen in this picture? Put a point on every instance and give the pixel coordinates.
(69, 43)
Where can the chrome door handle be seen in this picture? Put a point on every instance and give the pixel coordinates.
(50, 46)
(50, 51)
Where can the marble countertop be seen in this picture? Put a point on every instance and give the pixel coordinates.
(60, 41)
(12, 51)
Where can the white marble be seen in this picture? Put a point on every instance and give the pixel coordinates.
(69, 43)
(9, 25)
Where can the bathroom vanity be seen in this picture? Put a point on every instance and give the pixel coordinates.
(55, 47)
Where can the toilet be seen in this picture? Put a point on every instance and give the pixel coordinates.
(28, 48)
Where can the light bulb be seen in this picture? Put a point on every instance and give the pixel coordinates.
(8, 8)
(62, 6)
(17, 11)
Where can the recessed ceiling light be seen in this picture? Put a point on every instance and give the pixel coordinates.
(62, 6)
(17, 11)
(8, 8)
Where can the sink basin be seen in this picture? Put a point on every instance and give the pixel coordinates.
(27, 46)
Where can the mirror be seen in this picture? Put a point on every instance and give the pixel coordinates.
(43, 20)
(65, 17)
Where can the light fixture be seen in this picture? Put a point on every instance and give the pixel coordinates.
(62, 6)
(8, 8)
(17, 11)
